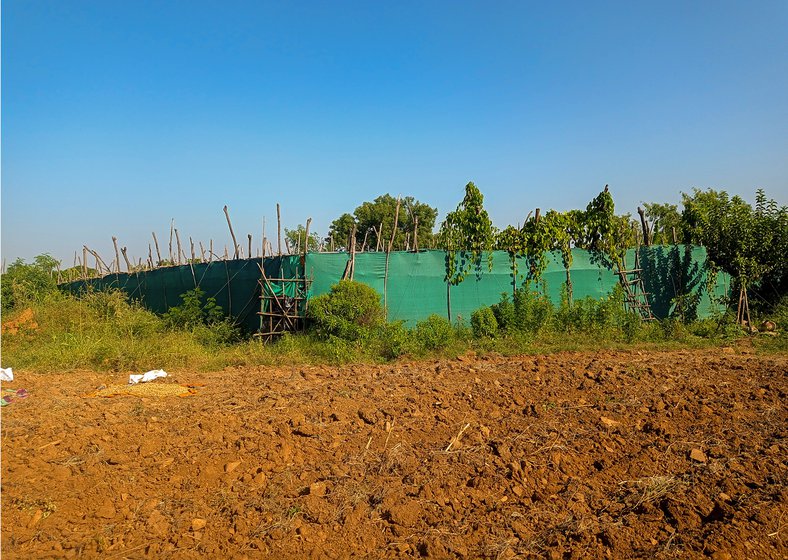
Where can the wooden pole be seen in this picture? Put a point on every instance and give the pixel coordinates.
(394, 230)
(99, 260)
(191, 243)
(210, 251)
(117, 256)
(84, 262)
(364, 243)
(279, 229)
(416, 234)
(126, 258)
(353, 253)
(202, 252)
(644, 227)
(232, 234)
(331, 240)
(306, 236)
(156, 242)
(380, 243)
(180, 251)
(172, 227)
(675, 239)
(249, 237)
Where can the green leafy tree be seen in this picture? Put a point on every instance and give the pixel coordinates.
(340, 230)
(297, 238)
(749, 244)
(665, 219)
(605, 235)
(466, 234)
(25, 283)
(369, 216)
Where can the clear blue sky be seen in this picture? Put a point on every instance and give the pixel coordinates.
(120, 115)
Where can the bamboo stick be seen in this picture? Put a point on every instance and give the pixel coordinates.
(158, 253)
(126, 258)
(117, 256)
(306, 235)
(232, 233)
(191, 243)
(279, 229)
(416, 234)
(249, 237)
(394, 231)
(172, 227)
(180, 251)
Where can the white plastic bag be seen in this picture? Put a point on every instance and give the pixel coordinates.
(6, 374)
(147, 376)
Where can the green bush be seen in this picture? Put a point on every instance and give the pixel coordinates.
(434, 332)
(483, 323)
(24, 284)
(504, 312)
(203, 317)
(394, 340)
(350, 311)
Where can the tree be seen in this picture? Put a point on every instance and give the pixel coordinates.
(25, 283)
(467, 233)
(665, 219)
(340, 230)
(369, 216)
(296, 239)
(605, 235)
(749, 244)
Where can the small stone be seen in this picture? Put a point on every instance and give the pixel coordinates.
(107, 510)
(230, 467)
(35, 519)
(198, 524)
(698, 455)
(609, 422)
(721, 555)
(317, 489)
(724, 497)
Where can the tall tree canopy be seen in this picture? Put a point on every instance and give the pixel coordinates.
(369, 216)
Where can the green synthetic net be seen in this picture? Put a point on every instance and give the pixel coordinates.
(234, 283)
(416, 286)
(413, 285)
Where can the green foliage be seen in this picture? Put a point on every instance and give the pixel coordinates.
(350, 311)
(466, 234)
(745, 243)
(24, 284)
(434, 332)
(665, 218)
(203, 317)
(749, 244)
(484, 323)
(369, 216)
(297, 238)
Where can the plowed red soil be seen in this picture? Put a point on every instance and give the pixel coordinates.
(581, 455)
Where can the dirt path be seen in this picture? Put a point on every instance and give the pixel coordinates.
(603, 455)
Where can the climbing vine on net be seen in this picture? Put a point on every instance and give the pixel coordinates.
(466, 234)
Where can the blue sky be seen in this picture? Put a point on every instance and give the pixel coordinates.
(118, 116)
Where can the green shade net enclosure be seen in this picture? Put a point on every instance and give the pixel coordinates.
(412, 284)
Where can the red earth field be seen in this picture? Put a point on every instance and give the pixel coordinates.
(575, 455)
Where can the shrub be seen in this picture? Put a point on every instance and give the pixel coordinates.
(350, 311)
(504, 312)
(203, 317)
(393, 340)
(484, 323)
(434, 332)
(24, 284)
(531, 311)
